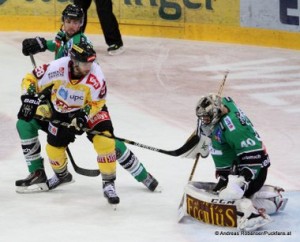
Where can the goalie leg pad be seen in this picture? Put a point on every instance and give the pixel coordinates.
(270, 199)
(206, 206)
(249, 218)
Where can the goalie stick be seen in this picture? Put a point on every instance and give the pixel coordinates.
(77, 169)
(181, 213)
(223, 83)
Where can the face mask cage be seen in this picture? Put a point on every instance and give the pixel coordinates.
(208, 110)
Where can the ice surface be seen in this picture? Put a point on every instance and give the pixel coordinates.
(153, 88)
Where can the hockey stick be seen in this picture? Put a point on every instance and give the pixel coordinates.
(32, 61)
(223, 83)
(186, 147)
(77, 169)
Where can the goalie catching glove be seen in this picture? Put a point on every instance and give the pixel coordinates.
(34, 45)
(202, 147)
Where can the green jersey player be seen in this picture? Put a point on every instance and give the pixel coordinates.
(236, 147)
(241, 163)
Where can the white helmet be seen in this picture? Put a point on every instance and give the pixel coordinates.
(209, 106)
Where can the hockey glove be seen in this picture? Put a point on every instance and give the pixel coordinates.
(29, 106)
(34, 45)
(235, 188)
(61, 37)
(79, 120)
(202, 148)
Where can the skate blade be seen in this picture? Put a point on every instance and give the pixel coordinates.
(114, 206)
(158, 189)
(41, 187)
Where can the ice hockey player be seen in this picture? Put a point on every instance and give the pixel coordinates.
(70, 33)
(77, 97)
(240, 159)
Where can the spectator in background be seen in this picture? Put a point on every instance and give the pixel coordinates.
(108, 21)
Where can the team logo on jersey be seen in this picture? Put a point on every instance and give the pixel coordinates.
(93, 81)
(229, 123)
(55, 74)
(218, 134)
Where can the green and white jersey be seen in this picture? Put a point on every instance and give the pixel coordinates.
(62, 48)
(234, 140)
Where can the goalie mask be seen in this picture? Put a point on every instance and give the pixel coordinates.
(208, 110)
(73, 12)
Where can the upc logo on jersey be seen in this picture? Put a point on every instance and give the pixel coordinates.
(69, 98)
(63, 93)
(92, 80)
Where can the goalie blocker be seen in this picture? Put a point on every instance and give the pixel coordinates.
(204, 205)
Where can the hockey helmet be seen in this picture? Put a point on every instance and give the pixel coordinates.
(209, 107)
(83, 52)
(73, 11)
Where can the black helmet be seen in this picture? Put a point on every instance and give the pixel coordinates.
(83, 52)
(72, 11)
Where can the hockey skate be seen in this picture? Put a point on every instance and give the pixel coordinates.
(151, 183)
(109, 192)
(115, 49)
(35, 182)
(57, 180)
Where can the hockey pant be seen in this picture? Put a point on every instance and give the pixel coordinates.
(105, 148)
